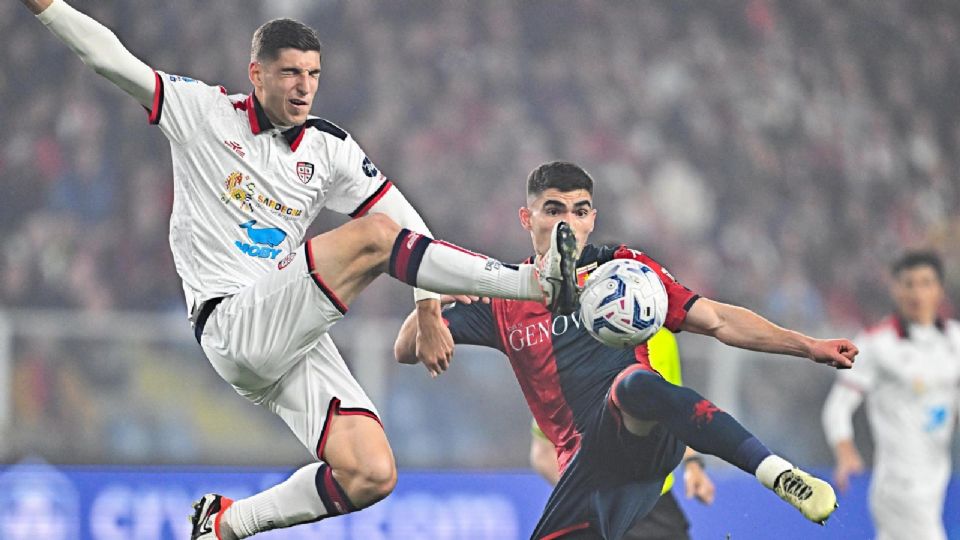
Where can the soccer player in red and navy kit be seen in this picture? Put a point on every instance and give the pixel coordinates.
(250, 174)
(618, 426)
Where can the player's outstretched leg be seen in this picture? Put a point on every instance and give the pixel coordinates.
(445, 268)
(349, 257)
(646, 397)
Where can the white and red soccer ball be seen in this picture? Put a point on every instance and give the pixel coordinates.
(623, 303)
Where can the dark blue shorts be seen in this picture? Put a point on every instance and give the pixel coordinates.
(612, 482)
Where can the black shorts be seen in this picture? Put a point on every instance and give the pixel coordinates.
(612, 482)
(665, 522)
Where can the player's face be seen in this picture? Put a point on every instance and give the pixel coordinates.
(553, 205)
(286, 86)
(918, 294)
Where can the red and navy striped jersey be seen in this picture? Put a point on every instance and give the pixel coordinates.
(564, 373)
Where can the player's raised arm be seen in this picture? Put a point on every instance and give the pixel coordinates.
(740, 327)
(98, 47)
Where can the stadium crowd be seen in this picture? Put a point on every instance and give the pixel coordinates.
(780, 152)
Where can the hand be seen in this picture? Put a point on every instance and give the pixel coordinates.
(462, 299)
(36, 6)
(434, 345)
(697, 483)
(838, 353)
(848, 462)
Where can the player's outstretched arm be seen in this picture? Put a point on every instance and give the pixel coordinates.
(425, 338)
(740, 327)
(97, 47)
(837, 418)
(696, 482)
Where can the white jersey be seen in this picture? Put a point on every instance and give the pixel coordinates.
(910, 377)
(245, 192)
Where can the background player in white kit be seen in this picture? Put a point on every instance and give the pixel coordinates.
(250, 175)
(909, 373)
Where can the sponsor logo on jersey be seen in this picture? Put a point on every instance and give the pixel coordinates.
(235, 146)
(265, 240)
(521, 336)
(369, 168)
(181, 78)
(245, 193)
(286, 260)
(936, 418)
(278, 207)
(304, 171)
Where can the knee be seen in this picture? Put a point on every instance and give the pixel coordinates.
(378, 232)
(642, 393)
(371, 481)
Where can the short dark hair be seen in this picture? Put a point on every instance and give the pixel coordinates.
(282, 34)
(561, 175)
(915, 258)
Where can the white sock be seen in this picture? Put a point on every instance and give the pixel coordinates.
(448, 269)
(293, 501)
(771, 468)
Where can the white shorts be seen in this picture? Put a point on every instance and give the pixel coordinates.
(270, 342)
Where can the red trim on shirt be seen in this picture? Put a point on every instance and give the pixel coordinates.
(252, 115)
(296, 142)
(373, 199)
(679, 298)
(153, 115)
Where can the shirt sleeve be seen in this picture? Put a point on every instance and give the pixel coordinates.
(356, 182)
(679, 298)
(472, 324)
(181, 105)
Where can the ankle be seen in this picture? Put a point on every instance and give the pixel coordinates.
(770, 470)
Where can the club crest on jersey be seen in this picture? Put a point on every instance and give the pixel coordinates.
(304, 171)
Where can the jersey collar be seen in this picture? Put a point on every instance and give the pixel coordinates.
(260, 123)
(902, 327)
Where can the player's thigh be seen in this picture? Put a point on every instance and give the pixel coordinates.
(254, 336)
(349, 257)
(316, 395)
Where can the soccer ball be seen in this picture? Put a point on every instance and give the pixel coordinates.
(623, 303)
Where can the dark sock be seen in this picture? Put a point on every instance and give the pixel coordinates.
(691, 418)
(408, 250)
(334, 498)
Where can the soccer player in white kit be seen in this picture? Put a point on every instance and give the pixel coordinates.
(251, 172)
(909, 373)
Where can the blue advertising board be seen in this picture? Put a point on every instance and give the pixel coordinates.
(116, 503)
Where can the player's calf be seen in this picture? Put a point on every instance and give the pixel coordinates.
(311, 493)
